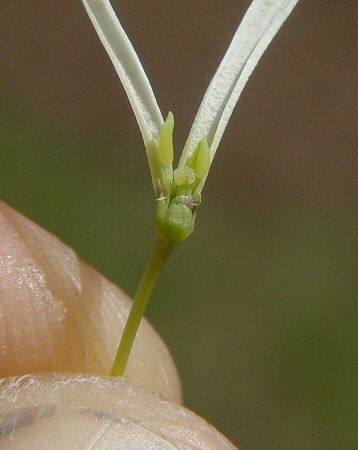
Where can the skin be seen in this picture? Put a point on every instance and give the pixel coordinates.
(60, 322)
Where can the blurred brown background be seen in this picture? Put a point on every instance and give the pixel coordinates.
(259, 307)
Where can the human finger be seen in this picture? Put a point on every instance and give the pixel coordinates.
(81, 412)
(57, 314)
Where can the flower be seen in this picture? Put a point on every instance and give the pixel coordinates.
(178, 191)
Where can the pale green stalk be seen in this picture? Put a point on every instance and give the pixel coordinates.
(157, 260)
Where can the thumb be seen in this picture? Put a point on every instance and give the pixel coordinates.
(59, 412)
(59, 314)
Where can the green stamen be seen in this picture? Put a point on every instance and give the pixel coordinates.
(202, 163)
(166, 153)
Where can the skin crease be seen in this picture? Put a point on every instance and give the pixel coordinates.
(59, 315)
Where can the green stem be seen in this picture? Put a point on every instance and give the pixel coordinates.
(161, 251)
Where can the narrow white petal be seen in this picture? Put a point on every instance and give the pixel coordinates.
(128, 67)
(260, 24)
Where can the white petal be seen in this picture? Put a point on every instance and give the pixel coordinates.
(128, 67)
(260, 24)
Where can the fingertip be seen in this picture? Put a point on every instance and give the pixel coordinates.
(82, 412)
(59, 314)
